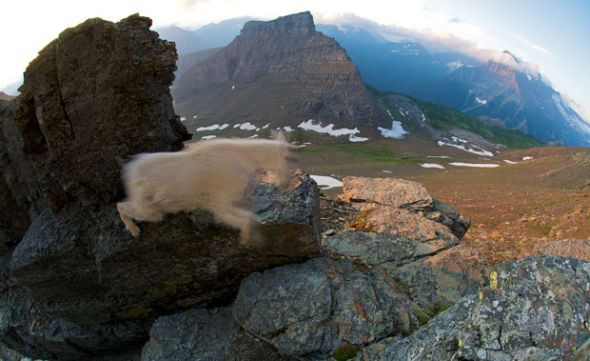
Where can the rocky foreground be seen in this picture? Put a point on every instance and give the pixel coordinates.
(387, 281)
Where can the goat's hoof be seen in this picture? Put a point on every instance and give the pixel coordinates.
(134, 231)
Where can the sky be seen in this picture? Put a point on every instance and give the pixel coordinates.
(550, 35)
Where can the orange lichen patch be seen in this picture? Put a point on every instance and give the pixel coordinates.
(360, 311)
(388, 191)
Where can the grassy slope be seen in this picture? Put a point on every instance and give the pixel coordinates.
(443, 118)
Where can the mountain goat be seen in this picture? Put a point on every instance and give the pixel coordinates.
(211, 175)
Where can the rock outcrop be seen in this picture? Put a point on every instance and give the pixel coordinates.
(536, 309)
(283, 72)
(75, 285)
(404, 208)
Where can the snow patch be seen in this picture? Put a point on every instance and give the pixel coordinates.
(326, 182)
(206, 137)
(288, 129)
(454, 65)
(245, 126)
(387, 171)
(481, 101)
(182, 119)
(233, 87)
(388, 112)
(195, 116)
(266, 126)
(528, 157)
(329, 129)
(510, 161)
(354, 139)
(438, 156)
(212, 127)
(432, 165)
(396, 131)
(469, 148)
(474, 165)
(253, 136)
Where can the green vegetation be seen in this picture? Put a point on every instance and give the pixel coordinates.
(345, 352)
(371, 152)
(445, 118)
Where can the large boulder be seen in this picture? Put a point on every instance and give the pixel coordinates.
(536, 309)
(75, 284)
(404, 208)
(94, 96)
(321, 306)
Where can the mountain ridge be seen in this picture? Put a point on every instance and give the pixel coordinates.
(280, 72)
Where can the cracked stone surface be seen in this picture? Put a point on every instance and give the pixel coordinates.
(536, 310)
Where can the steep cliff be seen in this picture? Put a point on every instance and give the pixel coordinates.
(283, 72)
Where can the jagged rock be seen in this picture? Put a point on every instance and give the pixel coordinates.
(84, 267)
(78, 286)
(319, 306)
(537, 309)
(95, 95)
(405, 208)
(375, 248)
(436, 282)
(193, 335)
(433, 281)
(283, 72)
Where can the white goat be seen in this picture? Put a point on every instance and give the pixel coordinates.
(211, 175)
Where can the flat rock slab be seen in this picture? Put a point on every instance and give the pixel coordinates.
(403, 208)
(386, 191)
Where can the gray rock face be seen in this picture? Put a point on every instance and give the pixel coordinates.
(75, 285)
(375, 248)
(433, 280)
(318, 306)
(95, 95)
(538, 310)
(192, 335)
(83, 267)
(283, 72)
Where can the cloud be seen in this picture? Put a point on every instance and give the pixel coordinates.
(437, 41)
(187, 4)
(532, 45)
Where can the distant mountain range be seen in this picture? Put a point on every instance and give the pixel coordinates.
(499, 93)
(280, 72)
(209, 36)
(502, 94)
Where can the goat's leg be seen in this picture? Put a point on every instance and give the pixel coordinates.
(123, 208)
(234, 216)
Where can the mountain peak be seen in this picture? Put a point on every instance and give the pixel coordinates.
(300, 24)
(511, 56)
(4, 96)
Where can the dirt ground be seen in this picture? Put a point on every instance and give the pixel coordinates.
(513, 207)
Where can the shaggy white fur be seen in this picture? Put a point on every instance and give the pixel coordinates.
(211, 175)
